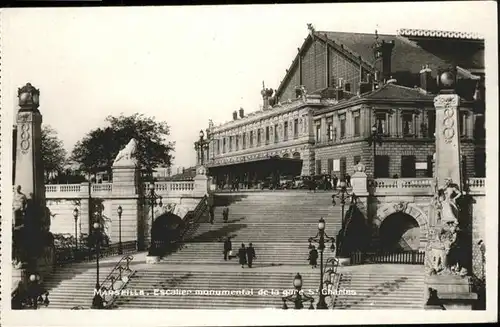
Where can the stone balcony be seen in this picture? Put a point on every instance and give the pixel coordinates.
(418, 186)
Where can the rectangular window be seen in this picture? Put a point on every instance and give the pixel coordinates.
(318, 167)
(430, 166)
(330, 166)
(357, 159)
(342, 126)
(381, 121)
(381, 167)
(285, 131)
(357, 123)
(408, 166)
(267, 135)
(431, 116)
(251, 139)
(237, 147)
(230, 143)
(244, 140)
(463, 123)
(329, 129)
(318, 132)
(407, 122)
(224, 145)
(259, 137)
(276, 133)
(479, 131)
(296, 128)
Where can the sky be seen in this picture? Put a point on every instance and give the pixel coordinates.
(184, 65)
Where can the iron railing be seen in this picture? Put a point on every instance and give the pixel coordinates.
(72, 255)
(116, 280)
(403, 257)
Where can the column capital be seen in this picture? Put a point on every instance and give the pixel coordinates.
(443, 101)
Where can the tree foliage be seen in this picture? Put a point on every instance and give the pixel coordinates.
(98, 149)
(52, 151)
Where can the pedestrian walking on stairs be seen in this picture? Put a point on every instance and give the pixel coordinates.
(313, 257)
(250, 255)
(242, 255)
(228, 247)
(225, 214)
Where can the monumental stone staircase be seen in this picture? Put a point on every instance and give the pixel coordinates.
(73, 285)
(277, 223)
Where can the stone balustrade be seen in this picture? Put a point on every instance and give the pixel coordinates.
(412, 186)
(477, 185)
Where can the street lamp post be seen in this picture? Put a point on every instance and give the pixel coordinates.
(154, 200)
(97, 301)
(375, 138)
(201, 145)
(75, 215)
(320, 239)
(297, 297)
(120, 211)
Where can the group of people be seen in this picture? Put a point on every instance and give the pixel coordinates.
(211, 211)
(246, 255)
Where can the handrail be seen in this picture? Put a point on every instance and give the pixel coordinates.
(335, 294)
(348, 221)
(122, 265)
(194, 216)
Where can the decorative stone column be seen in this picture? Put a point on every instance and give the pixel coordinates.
(33, 244)
(446, 278)
(126, 192)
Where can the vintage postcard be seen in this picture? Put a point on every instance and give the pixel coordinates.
(249, 165)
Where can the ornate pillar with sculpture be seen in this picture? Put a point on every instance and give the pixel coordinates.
(447, 276)
(33, 244)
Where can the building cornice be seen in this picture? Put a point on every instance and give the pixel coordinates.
(439, 34)
(309, 101)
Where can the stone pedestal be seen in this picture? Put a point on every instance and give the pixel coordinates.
(453, 292)
(359, 183)
(201, 186)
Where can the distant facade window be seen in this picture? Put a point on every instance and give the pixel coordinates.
(431, 116)
(342, 126)
(357, 123)
(237, 145)
(285, 131)
(430, 166)
(259, 137)
(330, 166)
(407, 122)
(251, 139)
(244, 141)
(318, 167)
(224, 145)
(318, 132)
(381, 122)
(296, 128)
(463, 123)
(230, 143)
(408, 166)
(329, 129)
(217, 147)
(382, 166)
(267, 134)
(276, 133)
(356, 160)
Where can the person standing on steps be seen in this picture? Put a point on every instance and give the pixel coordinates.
(228, 246)
(225, 214)
(250, 255)
(242, 254)
(347, 179)
(211, 208)
(313, 257)
(335, 180)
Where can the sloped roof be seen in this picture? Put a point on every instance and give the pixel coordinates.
(394, 92)
(406, 55)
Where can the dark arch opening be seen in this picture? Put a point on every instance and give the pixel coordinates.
(399, 232)
(166, 230)
(296, 155)
(286, 155)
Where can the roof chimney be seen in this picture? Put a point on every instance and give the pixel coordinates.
(242, 113)
(235, 115)
(266, 94)
(426, 80)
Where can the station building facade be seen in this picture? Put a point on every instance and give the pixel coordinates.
(341, 85)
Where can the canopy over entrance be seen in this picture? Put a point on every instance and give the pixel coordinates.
(251, 172)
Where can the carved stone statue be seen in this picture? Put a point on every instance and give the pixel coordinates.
(19, 206)
(447, 229)
(126, 156)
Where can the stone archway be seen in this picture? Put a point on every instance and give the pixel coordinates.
(404, 218)
(166, 229)
(399, 232)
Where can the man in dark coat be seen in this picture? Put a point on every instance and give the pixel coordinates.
(242, 254)
(225, 214)
(348, 180)
(313, 257)
(250, 255)
(228, 246)
(335, 180)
